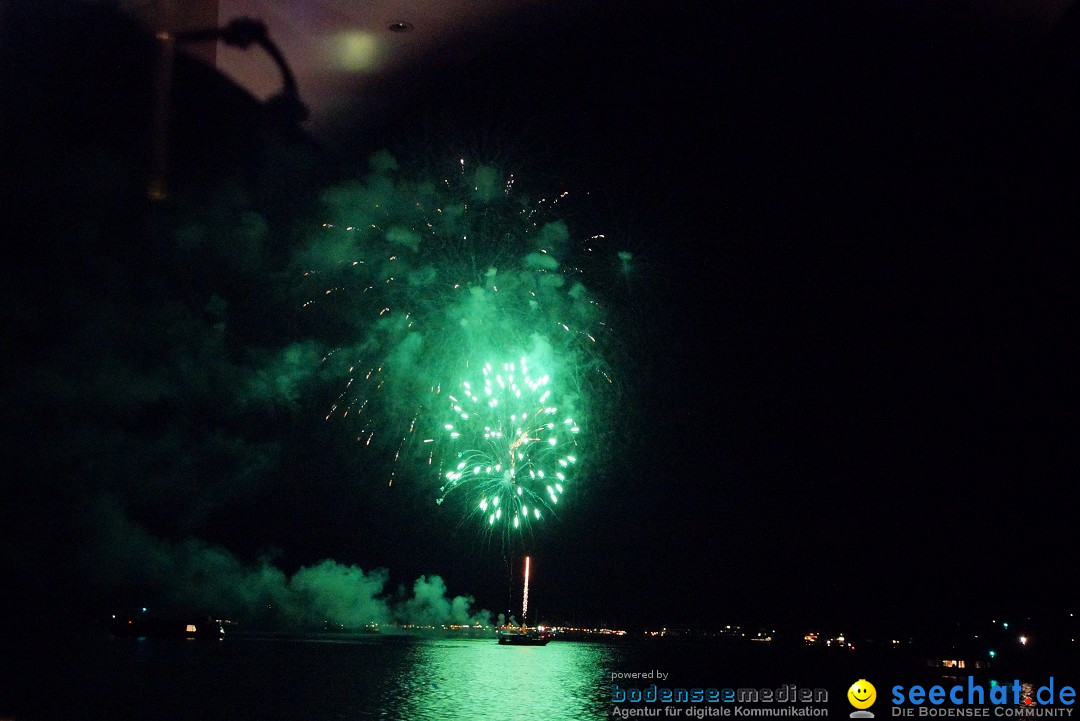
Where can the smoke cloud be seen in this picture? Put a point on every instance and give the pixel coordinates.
(196, 577)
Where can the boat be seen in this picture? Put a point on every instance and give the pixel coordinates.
(514, 636)
(511, 635)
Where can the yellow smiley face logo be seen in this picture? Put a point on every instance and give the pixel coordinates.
(862, 694)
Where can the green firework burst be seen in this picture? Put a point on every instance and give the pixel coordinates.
(514, 447)
(431, 285)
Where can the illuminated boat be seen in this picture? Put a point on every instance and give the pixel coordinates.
(513, 636)
(522, 635)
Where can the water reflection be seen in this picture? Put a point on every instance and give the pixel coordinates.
(258, 679)
(474, 679)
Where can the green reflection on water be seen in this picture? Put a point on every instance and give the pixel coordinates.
(479, 679)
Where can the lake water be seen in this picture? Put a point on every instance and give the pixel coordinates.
(388, 677)
(370, 678)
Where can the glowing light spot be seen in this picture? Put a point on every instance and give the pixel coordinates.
(357, 51)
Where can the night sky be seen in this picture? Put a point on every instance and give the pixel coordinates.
(847, 348)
